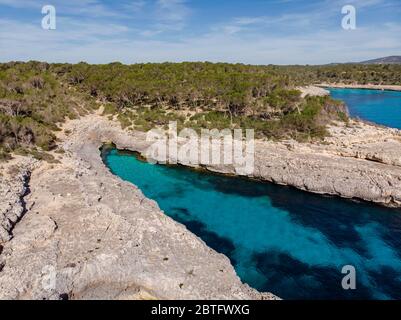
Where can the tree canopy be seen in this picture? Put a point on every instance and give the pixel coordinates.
(36, 97)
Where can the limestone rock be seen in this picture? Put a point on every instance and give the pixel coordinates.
(86, 234)
(71, 245)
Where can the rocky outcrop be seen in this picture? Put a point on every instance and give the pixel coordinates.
(89, 235)
(361, 86)
(357, 160)
(313, 91)
(13, 188)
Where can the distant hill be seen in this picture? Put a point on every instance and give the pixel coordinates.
(385, 60)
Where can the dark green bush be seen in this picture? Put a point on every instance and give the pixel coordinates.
(36, 97)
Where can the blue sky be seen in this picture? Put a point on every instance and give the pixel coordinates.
(246, 31)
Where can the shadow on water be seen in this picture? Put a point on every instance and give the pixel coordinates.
(279, 239)
(297, 279)
(212, 239)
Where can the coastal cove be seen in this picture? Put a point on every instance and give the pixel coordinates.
(382, 107)
(279, 239)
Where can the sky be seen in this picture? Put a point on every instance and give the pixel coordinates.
(246, 31)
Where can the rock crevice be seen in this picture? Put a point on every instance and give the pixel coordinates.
(87, 234)
(14, 187)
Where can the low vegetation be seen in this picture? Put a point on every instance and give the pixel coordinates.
(386, 74)
(200, 95)
(32, 104)
(36, 97)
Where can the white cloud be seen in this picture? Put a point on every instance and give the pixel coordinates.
(135, 5)
(97, 44)
(86, 8)
(14, 34)
(20, 3)
(295, 39)
(167, 16)
(172, 10)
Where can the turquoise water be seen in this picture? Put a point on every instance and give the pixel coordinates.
(382, 107)
(281, 240)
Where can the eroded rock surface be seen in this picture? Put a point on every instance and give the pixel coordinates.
(358, 160)
(14, 180)
(313, 91)
(87, 234)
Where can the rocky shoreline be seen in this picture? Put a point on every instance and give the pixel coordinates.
(360, 86)
(313, 91)
(358, 161)
(89, 235)
(86, 234)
